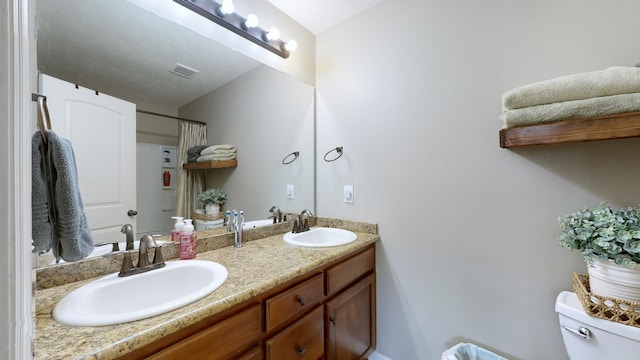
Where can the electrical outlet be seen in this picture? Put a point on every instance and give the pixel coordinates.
(348, 194)
(290, 191)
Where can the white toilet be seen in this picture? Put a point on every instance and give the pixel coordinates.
(589, 338)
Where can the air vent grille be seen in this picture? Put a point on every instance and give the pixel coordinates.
(184, 71)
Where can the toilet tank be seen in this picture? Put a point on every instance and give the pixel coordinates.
(609, 340)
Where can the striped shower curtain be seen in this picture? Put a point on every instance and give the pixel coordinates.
(190, 183)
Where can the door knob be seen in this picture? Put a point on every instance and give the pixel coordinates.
(132, 213)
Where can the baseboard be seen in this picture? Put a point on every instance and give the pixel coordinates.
(378, 356)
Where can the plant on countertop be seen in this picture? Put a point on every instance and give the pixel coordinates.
(215, 196)
(604, 233)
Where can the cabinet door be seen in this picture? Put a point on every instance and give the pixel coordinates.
(350, 322)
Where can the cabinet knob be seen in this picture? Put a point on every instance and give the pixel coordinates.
(302, 301)
(333, 320)
(301, 351)
(132, 213)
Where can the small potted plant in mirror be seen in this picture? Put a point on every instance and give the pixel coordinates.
(212, 199)
(609, 240)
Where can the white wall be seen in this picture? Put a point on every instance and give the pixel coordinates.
(267, 115)
(411, 89)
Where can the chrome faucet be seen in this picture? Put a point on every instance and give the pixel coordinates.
(304, 217)
(146, 242)
(301, 224)
(127, 230)
(276, 214)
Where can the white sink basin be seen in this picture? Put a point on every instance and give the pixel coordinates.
(257, 223)
(105, 249)
(321, 237)
(115, 300)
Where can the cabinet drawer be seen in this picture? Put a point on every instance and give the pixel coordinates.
(223, 340)
(295, 301)
(302, 340)
(350, 270)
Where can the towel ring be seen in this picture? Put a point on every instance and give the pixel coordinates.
(338, 150)
(294, 154)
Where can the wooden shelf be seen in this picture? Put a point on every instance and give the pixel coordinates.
(216, 164)
(573, 130)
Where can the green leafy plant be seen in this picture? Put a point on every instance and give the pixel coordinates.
(213, 196)
(604, 233)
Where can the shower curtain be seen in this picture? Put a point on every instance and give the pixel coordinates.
(192, 182)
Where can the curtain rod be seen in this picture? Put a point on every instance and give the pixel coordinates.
(171, 117)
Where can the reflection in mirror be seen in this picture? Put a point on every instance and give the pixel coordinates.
(119, 49)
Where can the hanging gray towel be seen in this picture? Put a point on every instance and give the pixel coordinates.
(41, 228)
(71, 238)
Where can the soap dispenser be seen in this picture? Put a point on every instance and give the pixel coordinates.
(188, 241)
(178, 228)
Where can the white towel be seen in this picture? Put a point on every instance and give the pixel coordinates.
(611, 81)
(217, 156)
(599, 106)
(218, 149)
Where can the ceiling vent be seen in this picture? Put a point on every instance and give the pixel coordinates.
(184, 71)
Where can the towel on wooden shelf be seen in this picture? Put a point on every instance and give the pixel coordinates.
(611, 81)
(194, 152)
(70, 238)
(594, 107)
(217, 157)
(224, 149)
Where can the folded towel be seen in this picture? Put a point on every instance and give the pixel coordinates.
(195, 150)
(611, 81)
(215, 157)
(71, 238)
(599, 106)
(218, 148)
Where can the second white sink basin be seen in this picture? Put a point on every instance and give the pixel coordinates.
(321, 237)
(115, 300)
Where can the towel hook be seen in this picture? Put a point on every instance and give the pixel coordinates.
(44, 122)
(337, 150)
(294, 154)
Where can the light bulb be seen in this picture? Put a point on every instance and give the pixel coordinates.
(273, 34)
(291, 45)
(226, 7)
(251, 22)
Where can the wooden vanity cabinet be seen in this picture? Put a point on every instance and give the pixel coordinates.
(329, 314)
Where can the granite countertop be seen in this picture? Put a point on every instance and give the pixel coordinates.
(261, 265)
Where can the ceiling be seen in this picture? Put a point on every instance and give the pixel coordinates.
(320, 15)
(118, 48)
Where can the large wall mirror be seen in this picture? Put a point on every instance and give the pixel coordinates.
(118, 48)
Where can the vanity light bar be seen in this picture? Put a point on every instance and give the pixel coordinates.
(231, 21)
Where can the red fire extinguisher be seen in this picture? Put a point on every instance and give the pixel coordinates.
(166, 178)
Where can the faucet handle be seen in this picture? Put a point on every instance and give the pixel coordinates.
(157, 255)
(127, 264)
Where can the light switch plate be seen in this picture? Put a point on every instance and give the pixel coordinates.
(348, 194)
(290, 191)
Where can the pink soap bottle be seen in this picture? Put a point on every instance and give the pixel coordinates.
(188, 240)
(178, 228)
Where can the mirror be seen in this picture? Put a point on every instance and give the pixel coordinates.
(122, 50)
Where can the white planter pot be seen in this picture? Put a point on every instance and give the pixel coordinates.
(607, 278)
(212, 209)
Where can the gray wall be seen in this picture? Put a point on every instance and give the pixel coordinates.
(411, 89)
(267, 115)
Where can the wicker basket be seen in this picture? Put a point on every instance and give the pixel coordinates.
(620, 311)
(205, 217)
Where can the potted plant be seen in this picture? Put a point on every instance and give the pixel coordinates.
(212, 199)
(609, 240)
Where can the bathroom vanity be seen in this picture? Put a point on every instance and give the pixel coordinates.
(278, 302)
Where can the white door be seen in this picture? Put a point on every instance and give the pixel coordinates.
(102, 130)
